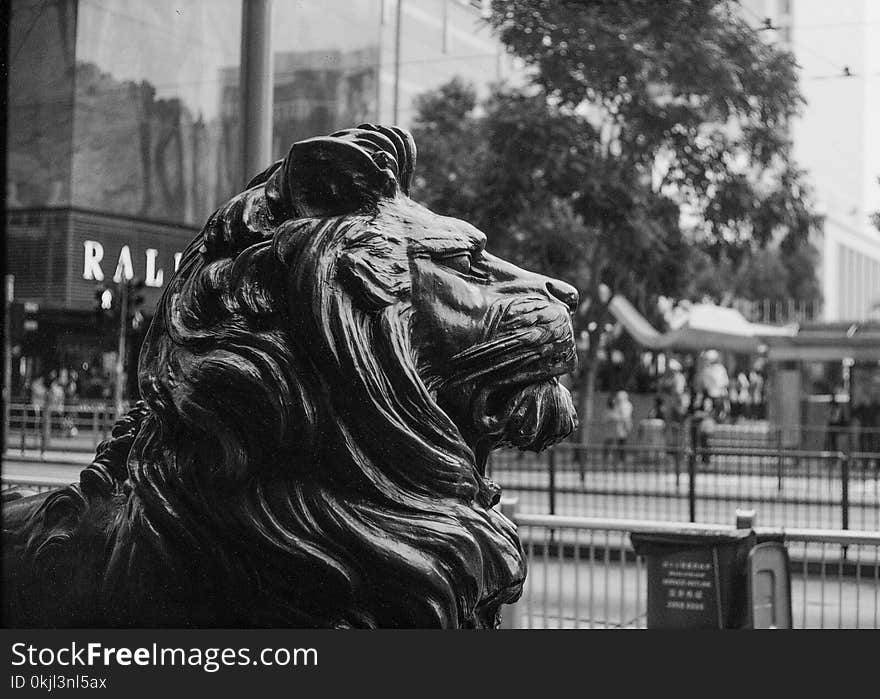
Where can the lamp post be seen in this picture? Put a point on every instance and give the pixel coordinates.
(7, 350)
(119, 388)
(256, 85)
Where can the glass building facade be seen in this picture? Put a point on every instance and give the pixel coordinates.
(114, 107)
(125, 121)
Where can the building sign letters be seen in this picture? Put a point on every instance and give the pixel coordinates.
(93, 257)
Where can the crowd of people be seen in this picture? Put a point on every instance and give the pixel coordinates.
(701, 396)
(857, 429)
(52, 393)
(710, 389)
(691, 401)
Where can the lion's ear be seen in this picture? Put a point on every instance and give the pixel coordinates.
(327, 176)
(371, 274)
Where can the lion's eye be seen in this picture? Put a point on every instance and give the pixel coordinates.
(460, 262)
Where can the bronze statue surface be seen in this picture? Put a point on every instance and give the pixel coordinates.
(322, 383)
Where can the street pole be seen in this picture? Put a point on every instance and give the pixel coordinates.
(7, 351)
(396, 97)
(120, 356)
(256, 86)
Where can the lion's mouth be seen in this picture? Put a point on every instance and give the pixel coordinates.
(506, 391)
(529, 410)
(547, 364)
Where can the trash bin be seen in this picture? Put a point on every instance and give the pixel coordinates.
(696, 580)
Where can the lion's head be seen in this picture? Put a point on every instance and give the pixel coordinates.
(325, 376)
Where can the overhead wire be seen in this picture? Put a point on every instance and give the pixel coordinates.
(766, 24)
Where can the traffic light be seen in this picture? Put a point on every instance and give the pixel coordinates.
(22, 318)
(109, 299)
(106, 303)
(135, 302)
(16, 319)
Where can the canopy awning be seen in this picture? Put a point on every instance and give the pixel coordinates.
(699, 327)
(829, 342)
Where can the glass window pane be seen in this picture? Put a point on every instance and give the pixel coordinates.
(439, 40)
(326, 67)
(156, 112)
(40, 103)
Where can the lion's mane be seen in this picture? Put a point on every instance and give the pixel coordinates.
(287, 465)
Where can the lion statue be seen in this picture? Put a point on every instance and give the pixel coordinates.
(322, 383)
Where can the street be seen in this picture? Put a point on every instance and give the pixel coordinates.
(587, 594)
(610, 592)
(804, 501)
(64, 465)
(812, 500)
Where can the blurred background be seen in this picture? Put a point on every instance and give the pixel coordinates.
(705, 172)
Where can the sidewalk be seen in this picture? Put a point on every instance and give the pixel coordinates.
(569, 594)
(53, 456)
(85, 441)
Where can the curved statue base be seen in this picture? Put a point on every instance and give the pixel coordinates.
(322, 383)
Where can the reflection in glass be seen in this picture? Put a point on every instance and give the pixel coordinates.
(40, 103)
(439, 40)
(152, 136)
(132, 107)
(326, 67)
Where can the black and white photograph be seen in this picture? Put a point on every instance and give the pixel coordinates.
(437, 314)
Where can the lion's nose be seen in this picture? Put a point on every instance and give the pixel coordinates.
(564, 292)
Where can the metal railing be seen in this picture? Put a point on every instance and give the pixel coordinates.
(77, 427)
(779, 310)
(758, 434)
(584, 573)
(789, 487)
(33, 484)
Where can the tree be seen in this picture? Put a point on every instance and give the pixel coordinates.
(531, 176)
(689, 109)
(777, 274)
(649, 130)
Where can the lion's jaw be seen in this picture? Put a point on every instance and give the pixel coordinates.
(505, 390)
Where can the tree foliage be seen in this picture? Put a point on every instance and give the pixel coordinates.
(650, 132)
(686, 94)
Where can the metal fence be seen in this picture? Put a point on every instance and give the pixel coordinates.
(779, 310)
(33, 484)
(751, 434)
(790, 488)
(78, 427)
(584, 573)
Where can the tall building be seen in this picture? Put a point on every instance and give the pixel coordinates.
(124, 130)
(837, 46)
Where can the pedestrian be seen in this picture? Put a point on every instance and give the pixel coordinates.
(740, 398)
(756, 390)
(609, 429)
(39, 396)
(837, 425)
(56, 402)
(658, 412)
(71, 390)
(623, 423)
(703, 426)
(71, 398)
(679, 406)
(745, 394)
